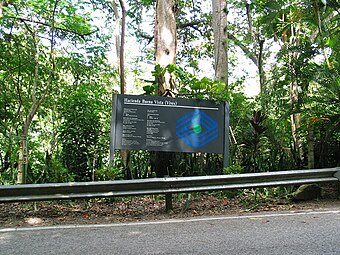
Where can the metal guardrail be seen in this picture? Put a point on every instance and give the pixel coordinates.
(168, 185)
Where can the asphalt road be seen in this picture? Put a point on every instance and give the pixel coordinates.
(281, 233)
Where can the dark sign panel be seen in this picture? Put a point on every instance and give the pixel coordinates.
(167, 124)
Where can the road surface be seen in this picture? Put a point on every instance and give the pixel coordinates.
(310, 232)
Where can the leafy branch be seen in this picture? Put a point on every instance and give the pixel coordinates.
(82, 35)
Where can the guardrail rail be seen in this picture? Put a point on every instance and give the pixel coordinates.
(166, 185)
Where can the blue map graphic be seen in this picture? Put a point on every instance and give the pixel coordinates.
(197, 129)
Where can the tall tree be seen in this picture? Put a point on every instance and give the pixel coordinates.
(39, 86)
(220, 28)
(120, 41)
(120, 51)
(166, 43)
(244, 34)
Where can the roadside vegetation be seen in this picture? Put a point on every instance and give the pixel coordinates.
(61, 61)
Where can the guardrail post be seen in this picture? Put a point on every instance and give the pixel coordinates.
(168, 202)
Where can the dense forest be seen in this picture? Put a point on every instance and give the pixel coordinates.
(61, 61)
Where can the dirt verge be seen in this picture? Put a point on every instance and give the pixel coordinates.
(101, 211)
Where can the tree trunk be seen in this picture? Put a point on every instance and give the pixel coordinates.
(220, 12)
(120, 51)
(294, 98)
(311, 153)
(23, 149)
(165, 43)
(120, 43)
(297, 142)
(295, 117)
(23, 155)
(23, 158)
(260, 68)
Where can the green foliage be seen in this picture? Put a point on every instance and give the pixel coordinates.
(109, 173)
(309, 58)
(190, 86)
(49, 48)
(7, 177)
(81, 130)
(150, 90)
(233, 169)
(51, 171)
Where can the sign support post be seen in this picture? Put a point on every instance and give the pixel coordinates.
(226, 135)
(113, 129)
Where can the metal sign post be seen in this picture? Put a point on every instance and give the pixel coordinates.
(226, 135)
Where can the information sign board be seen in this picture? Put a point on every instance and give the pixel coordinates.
(167, 124)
